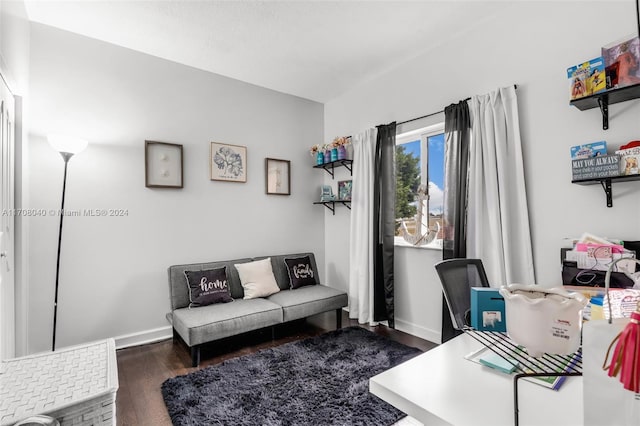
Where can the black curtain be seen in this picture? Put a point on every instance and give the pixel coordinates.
(457, 129)
(384, 217)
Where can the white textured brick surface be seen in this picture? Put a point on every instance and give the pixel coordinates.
(76, 385)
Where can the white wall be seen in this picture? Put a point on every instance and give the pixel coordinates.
(530, 45)
(14, 45)
(113, 277)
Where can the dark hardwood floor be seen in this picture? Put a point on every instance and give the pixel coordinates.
(143, 369)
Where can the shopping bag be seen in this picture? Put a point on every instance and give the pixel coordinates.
(606, 401)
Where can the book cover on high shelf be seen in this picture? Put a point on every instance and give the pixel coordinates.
(624, 55)
(587, 78)
(596, 80)
(588, 150)
(510, 365)
(577, 75)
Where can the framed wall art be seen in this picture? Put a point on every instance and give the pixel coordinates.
(228, 162)
(277, 176)
(162, 165)
(344, 189)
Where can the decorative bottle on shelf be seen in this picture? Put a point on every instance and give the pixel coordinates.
(319, 158)
(327, 156)
(334, 154)
(342, 152)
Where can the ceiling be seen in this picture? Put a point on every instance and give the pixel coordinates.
(313, 49)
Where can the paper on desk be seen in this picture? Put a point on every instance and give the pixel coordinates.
(551, 382)
(585, 260)
(491, 358)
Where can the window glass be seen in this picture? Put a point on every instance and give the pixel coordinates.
(419, 187)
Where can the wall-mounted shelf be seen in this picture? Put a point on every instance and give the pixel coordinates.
(606, 98)
(330, 167)
(331, 205)
(606, 184)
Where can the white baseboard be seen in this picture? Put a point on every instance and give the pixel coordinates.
(143, 337)
(164, 333)
(419, 331)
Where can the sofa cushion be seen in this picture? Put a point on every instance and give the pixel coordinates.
(208, 287)
(280, 268)
(300, 271)
(309, 300)
(178, 282)
(217, 321)
(257, 278)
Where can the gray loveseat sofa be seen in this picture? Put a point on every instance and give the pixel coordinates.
(199, 325)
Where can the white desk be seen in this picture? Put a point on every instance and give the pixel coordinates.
(440, 387)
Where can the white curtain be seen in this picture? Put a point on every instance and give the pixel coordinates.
(361, 244)
(497, 215)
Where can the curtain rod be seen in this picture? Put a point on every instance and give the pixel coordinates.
(515, 86)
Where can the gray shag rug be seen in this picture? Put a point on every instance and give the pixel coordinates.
(322, 380)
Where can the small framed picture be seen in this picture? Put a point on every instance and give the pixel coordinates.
(326, 193)
(162, 165)
(277, 176)
(228, 162)
(344, 189)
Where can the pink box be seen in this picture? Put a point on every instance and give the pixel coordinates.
(615, 248)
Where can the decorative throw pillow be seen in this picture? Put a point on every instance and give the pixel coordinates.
(300, 271)
(208, 287)
(257, 278)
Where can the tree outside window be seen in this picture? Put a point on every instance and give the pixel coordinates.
(419, 168)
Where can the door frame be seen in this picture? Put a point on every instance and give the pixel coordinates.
(7, 221)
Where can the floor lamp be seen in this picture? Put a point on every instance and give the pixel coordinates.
(67, 146)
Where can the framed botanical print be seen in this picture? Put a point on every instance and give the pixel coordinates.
(277, 176)
(344, 189)
(162, 165)
(228, 162)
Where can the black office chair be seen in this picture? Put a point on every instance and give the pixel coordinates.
(457, 277)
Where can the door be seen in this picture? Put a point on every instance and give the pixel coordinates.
(7, 223)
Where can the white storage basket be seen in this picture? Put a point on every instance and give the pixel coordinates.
(75, 385)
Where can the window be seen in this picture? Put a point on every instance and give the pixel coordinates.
(419, 186)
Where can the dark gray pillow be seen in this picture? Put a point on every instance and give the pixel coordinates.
(300, 271)
(208, 287)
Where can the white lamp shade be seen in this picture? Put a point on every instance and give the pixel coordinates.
(65, 143)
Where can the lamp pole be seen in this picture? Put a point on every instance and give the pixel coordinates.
(66, 156)
(67, 146)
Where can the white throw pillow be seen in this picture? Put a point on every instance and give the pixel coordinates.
(257, 279)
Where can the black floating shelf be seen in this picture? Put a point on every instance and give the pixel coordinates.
(331, 205)
(606, 184)
(606, 98)
(330, 167)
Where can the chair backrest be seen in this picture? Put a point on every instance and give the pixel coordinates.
(457, 277)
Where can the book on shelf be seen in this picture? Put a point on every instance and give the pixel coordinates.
(510, 365)
(587, 78)
(577, 75)
(622, 56)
